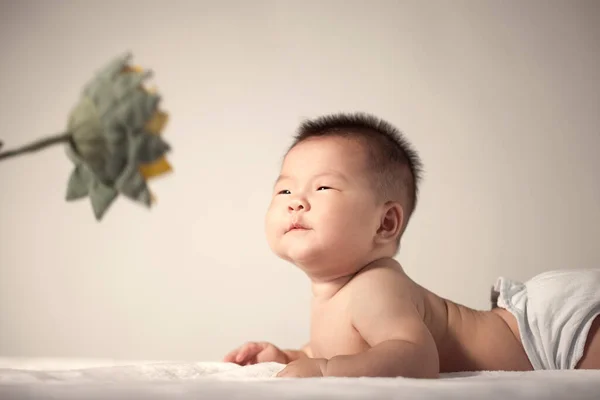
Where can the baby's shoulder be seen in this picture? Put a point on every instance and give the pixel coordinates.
(382, 287)
(379, 275)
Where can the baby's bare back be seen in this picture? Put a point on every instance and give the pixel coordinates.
(480, 341)
(466, 340)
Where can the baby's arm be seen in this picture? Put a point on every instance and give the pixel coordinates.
(387, 318)
(294, 355)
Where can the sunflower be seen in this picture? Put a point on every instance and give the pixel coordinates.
(113, 138)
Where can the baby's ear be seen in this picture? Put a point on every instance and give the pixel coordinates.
(391, 223)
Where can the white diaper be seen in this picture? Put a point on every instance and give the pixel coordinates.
(554, 312)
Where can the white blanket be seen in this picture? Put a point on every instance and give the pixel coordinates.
(35, 379)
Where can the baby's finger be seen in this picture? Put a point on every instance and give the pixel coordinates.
(249, 350)
(230, 357)
(250, 361)
(271, 353)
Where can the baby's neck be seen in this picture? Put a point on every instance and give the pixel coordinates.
(327, 280)
(325, 289)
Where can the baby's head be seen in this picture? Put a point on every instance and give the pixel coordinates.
(347, 188)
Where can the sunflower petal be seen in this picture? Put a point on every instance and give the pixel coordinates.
(157, 122)
(155, 169)
(133, 68)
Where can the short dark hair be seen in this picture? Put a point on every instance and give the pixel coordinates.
(396, 164)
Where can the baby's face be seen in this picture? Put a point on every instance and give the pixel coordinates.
(324, 214)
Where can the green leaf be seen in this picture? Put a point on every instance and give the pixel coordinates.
(132, 185)
(101, 196)
(79, 182)
(151, 148)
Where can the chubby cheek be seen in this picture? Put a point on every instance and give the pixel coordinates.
(355, 226)
(273, 224)
(343, 213)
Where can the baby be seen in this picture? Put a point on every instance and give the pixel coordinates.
(347, 189)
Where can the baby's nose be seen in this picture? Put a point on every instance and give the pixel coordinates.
(297, 205)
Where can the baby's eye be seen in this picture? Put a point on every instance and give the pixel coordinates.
(284, 191)
(323, 188)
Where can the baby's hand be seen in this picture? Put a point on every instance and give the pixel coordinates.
(256, 352)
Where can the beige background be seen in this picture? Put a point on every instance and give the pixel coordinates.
(502, 100)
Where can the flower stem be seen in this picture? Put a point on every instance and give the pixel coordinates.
(37, 145)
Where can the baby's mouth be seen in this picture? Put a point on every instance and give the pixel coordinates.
(296, 227)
